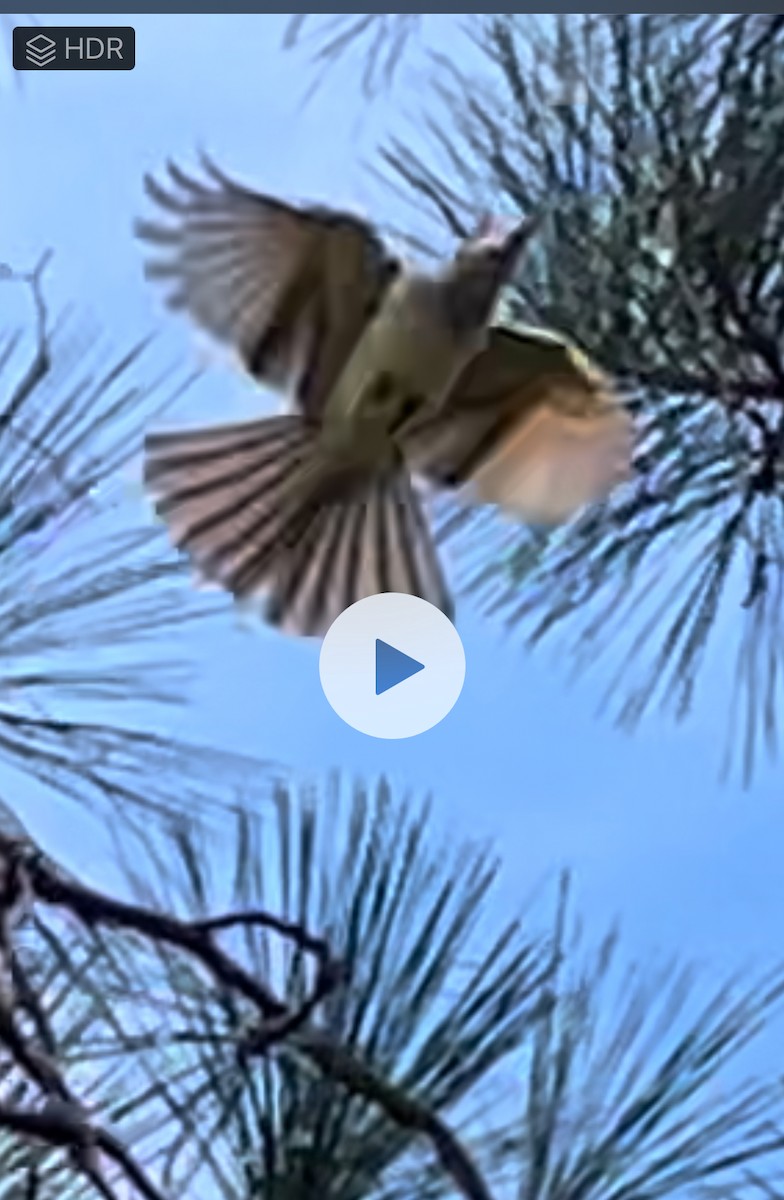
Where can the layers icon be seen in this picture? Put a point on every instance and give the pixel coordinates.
(41, 50)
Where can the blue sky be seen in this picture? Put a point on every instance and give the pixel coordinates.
(690, 867)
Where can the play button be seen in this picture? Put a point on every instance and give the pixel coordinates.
(392, 665)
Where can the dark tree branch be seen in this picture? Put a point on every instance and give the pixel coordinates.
(58, 1129)
(276, 1021)
(343, 1067)
(196, 938)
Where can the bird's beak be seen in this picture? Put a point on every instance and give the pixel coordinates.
(505, 241)
(515, 241)
(486, 264)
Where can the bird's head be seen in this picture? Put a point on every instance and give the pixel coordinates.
(483, 264)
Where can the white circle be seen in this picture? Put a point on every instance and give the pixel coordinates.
(411, 627)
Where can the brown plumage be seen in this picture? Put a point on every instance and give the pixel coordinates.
(390, 374)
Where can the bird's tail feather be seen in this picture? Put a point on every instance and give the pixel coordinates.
(247, 504)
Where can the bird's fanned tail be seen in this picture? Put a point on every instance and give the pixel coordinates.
(244, 503)
(375, 540)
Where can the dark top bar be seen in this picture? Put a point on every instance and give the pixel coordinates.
(240, 9)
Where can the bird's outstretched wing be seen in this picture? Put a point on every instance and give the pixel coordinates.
(288, 288)
(531, 426)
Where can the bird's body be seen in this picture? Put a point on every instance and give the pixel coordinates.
(391, 373)
(406, 361)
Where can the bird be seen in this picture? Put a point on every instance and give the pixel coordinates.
(394, 379)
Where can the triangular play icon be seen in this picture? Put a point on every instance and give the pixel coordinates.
(393, 666)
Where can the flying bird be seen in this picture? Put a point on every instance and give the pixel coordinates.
(393, 376)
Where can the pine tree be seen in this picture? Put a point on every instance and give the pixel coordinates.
(652, 145)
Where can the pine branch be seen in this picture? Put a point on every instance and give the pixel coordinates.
(43, 883)
(81, 592)
(654, 147)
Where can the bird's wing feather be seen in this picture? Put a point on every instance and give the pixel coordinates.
(531, 426)
(288, 288)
